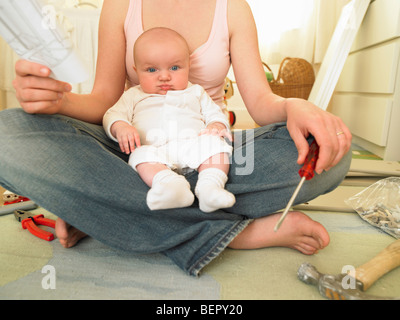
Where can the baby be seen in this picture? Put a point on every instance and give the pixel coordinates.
(171, 127)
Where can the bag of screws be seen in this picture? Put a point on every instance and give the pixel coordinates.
(379, 205)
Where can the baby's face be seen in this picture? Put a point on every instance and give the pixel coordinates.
(162, 66)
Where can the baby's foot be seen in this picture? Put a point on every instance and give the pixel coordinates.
(169, 190)
(214, 198)
(210, 190)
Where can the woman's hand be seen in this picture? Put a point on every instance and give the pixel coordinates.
(331, 134)
(35, 91)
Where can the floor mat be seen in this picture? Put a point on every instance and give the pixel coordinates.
(94, 271)
(91, 270)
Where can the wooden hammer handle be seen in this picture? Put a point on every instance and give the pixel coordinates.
(385, 261)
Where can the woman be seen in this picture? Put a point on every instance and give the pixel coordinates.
(57, 154)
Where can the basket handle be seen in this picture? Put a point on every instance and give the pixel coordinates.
(280, 68)
(265, 65)
(269, 69)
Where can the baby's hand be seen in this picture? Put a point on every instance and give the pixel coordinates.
(218, 129)
(127, 136)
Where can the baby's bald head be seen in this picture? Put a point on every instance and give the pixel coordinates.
(158, 37)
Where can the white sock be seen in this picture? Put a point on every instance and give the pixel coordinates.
(210, 190)
(169, 190)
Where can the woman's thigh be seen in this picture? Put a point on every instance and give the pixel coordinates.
(264, 172)
(73, 170)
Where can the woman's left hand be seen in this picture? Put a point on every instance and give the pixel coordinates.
(330, 132)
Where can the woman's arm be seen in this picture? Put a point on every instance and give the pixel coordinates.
(302, 117)
(39, 94)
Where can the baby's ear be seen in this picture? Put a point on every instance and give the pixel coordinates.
(134, 68)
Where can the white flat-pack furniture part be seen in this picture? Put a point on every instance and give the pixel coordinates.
(338, 50)
(365, 167)
(30, 28)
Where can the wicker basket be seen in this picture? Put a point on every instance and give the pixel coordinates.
(295, 78)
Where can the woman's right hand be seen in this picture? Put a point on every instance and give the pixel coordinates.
(36, 91)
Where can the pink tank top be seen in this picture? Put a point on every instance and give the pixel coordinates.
(209, 63)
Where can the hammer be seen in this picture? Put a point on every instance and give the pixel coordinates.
(352, 286)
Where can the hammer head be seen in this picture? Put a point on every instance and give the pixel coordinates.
(334, 287)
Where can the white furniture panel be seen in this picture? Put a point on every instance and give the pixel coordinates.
(371, 70)
(382, 23)
(367, 96)
(367, 117)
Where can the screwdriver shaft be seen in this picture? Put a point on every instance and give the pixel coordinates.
(277, 226)
(306, 173)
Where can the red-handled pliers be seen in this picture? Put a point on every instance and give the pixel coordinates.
(30, 222)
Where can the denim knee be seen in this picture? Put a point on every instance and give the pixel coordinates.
(340, 171)
(330, 180)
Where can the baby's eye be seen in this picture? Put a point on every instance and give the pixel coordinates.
(175, 68)
(151, 70)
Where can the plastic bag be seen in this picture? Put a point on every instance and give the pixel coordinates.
(379, 205)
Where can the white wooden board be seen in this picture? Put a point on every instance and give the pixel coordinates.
(338, 50)
(333, 201)
(375, 167)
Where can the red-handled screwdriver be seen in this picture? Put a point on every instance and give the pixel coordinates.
(306, 173)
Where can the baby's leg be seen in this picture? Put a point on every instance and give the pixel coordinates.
(168, 189)
(210, 187)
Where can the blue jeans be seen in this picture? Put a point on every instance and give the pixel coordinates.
(72, 169)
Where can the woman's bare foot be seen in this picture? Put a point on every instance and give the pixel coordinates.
(67, 234)
(298, 231)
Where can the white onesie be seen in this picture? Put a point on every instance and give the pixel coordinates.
(169, 126)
